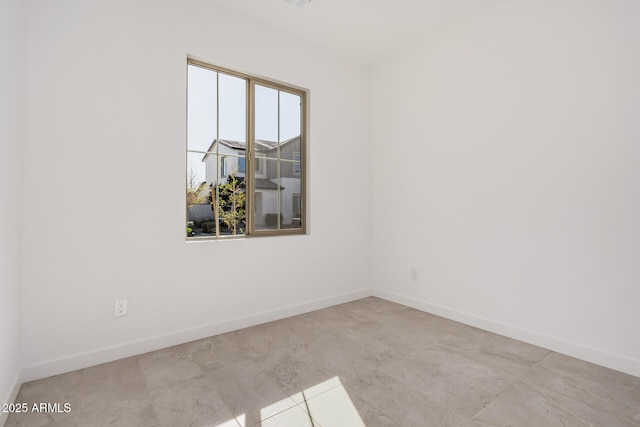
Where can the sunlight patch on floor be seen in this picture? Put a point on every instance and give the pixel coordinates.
(325, 403)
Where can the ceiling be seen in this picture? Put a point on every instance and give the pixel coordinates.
(364, 30)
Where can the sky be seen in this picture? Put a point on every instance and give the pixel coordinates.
(205, 104)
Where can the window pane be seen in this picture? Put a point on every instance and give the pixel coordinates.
(231, 190)
(289, 116)
(202, 108)
(290, 120)
(296, 207)
(266, 197)
(290, 201)
(233, 109)
(195, 168)
(199, 210)
(231, 203)
(266, 118)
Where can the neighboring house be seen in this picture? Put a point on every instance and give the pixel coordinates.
(232, 160)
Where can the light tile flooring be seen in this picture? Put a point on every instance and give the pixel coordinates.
(368, 362)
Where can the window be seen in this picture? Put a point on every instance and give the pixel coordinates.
(241, 165)
(296, 164)
(296, 205)
(223, 167)
(233, 121)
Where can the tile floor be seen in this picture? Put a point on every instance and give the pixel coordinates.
(368, 362)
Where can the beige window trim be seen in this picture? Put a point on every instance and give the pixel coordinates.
(250, 158)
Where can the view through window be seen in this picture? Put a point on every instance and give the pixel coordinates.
(245, 155)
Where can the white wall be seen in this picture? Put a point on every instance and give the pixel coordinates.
(11, 139)
(512, 140)
(514, 144)
(105, 144)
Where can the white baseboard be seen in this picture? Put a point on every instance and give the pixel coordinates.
(618, 362)
(11, 398)
(108, 354)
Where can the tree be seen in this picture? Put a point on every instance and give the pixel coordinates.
(231, 202)
(194, 188)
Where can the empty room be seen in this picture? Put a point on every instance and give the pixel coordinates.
(397, 213)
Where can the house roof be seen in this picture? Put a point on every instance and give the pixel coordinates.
(265, 184)
(261, 144)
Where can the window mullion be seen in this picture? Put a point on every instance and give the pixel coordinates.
(216, 213)
(279, 198)
(250, 153)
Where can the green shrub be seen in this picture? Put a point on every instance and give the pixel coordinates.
(209, 227)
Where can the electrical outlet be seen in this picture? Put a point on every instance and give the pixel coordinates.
(414, 275)
(121, 308)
